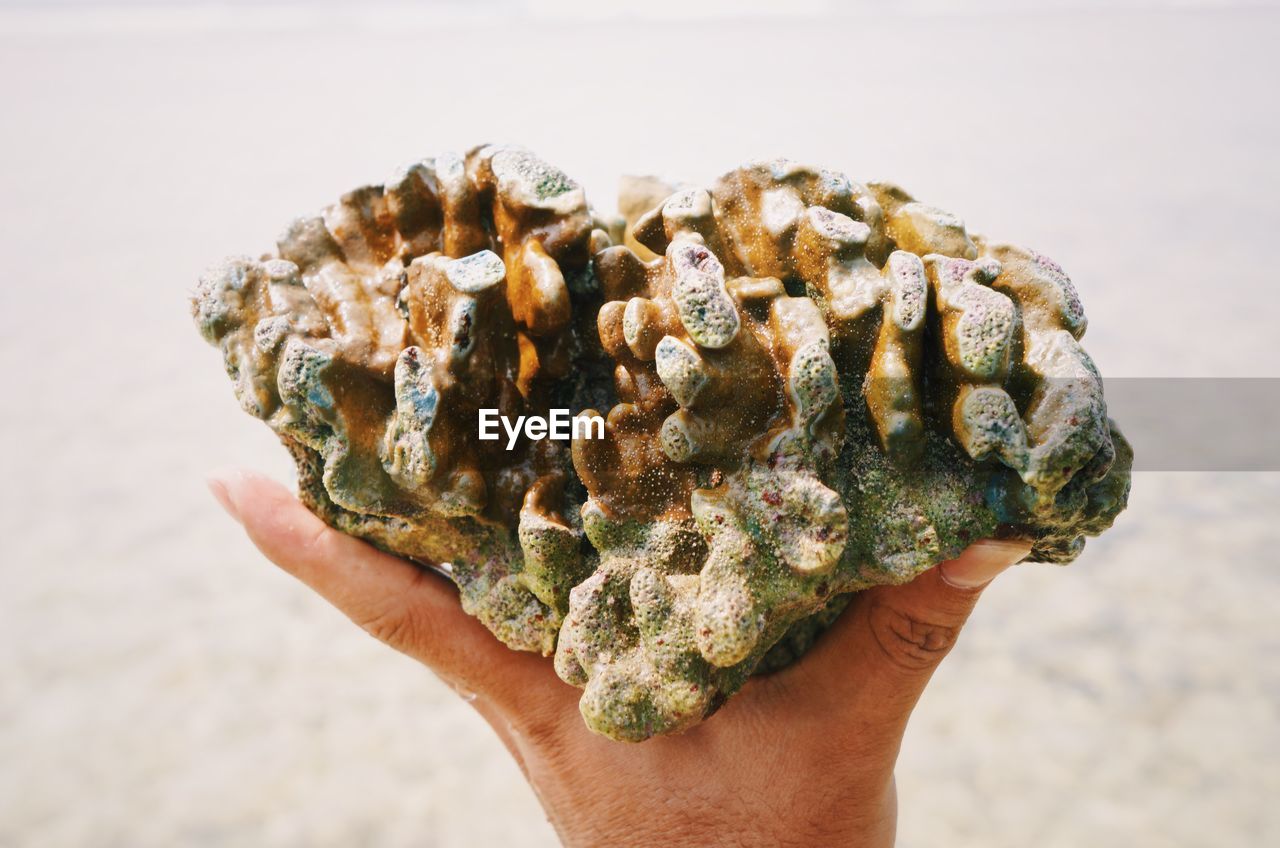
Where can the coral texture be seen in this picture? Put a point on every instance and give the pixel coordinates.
(809, 385)
(371, 338)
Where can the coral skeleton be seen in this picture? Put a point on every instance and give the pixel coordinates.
(809, 386)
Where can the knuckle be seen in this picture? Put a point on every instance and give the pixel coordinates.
(908, 641)
(319, 541)
(396, 622)
(394, 626)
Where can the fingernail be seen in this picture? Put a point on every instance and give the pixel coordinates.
(982, 561)
(218, 486)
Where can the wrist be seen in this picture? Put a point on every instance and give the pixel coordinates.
(664, 816)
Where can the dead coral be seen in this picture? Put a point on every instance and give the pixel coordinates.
(809, 386)
(380, 328)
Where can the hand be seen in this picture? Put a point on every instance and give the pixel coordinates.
(801, 757)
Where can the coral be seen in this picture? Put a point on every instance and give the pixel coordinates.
(371, 338)
(809, 385)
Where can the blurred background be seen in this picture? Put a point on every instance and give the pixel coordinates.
(161, 684)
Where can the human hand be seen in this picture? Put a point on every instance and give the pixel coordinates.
(804, 756)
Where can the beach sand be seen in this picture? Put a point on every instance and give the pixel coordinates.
(161, 684)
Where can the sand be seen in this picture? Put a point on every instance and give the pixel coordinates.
(161, 684)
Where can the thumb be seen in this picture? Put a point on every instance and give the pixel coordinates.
(886, 646)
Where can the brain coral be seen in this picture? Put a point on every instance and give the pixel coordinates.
(809, 385)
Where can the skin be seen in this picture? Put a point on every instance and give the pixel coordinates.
(801, 757)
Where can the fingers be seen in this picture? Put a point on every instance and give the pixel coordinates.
(883, 650)
(362, 582)
(395, 601)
